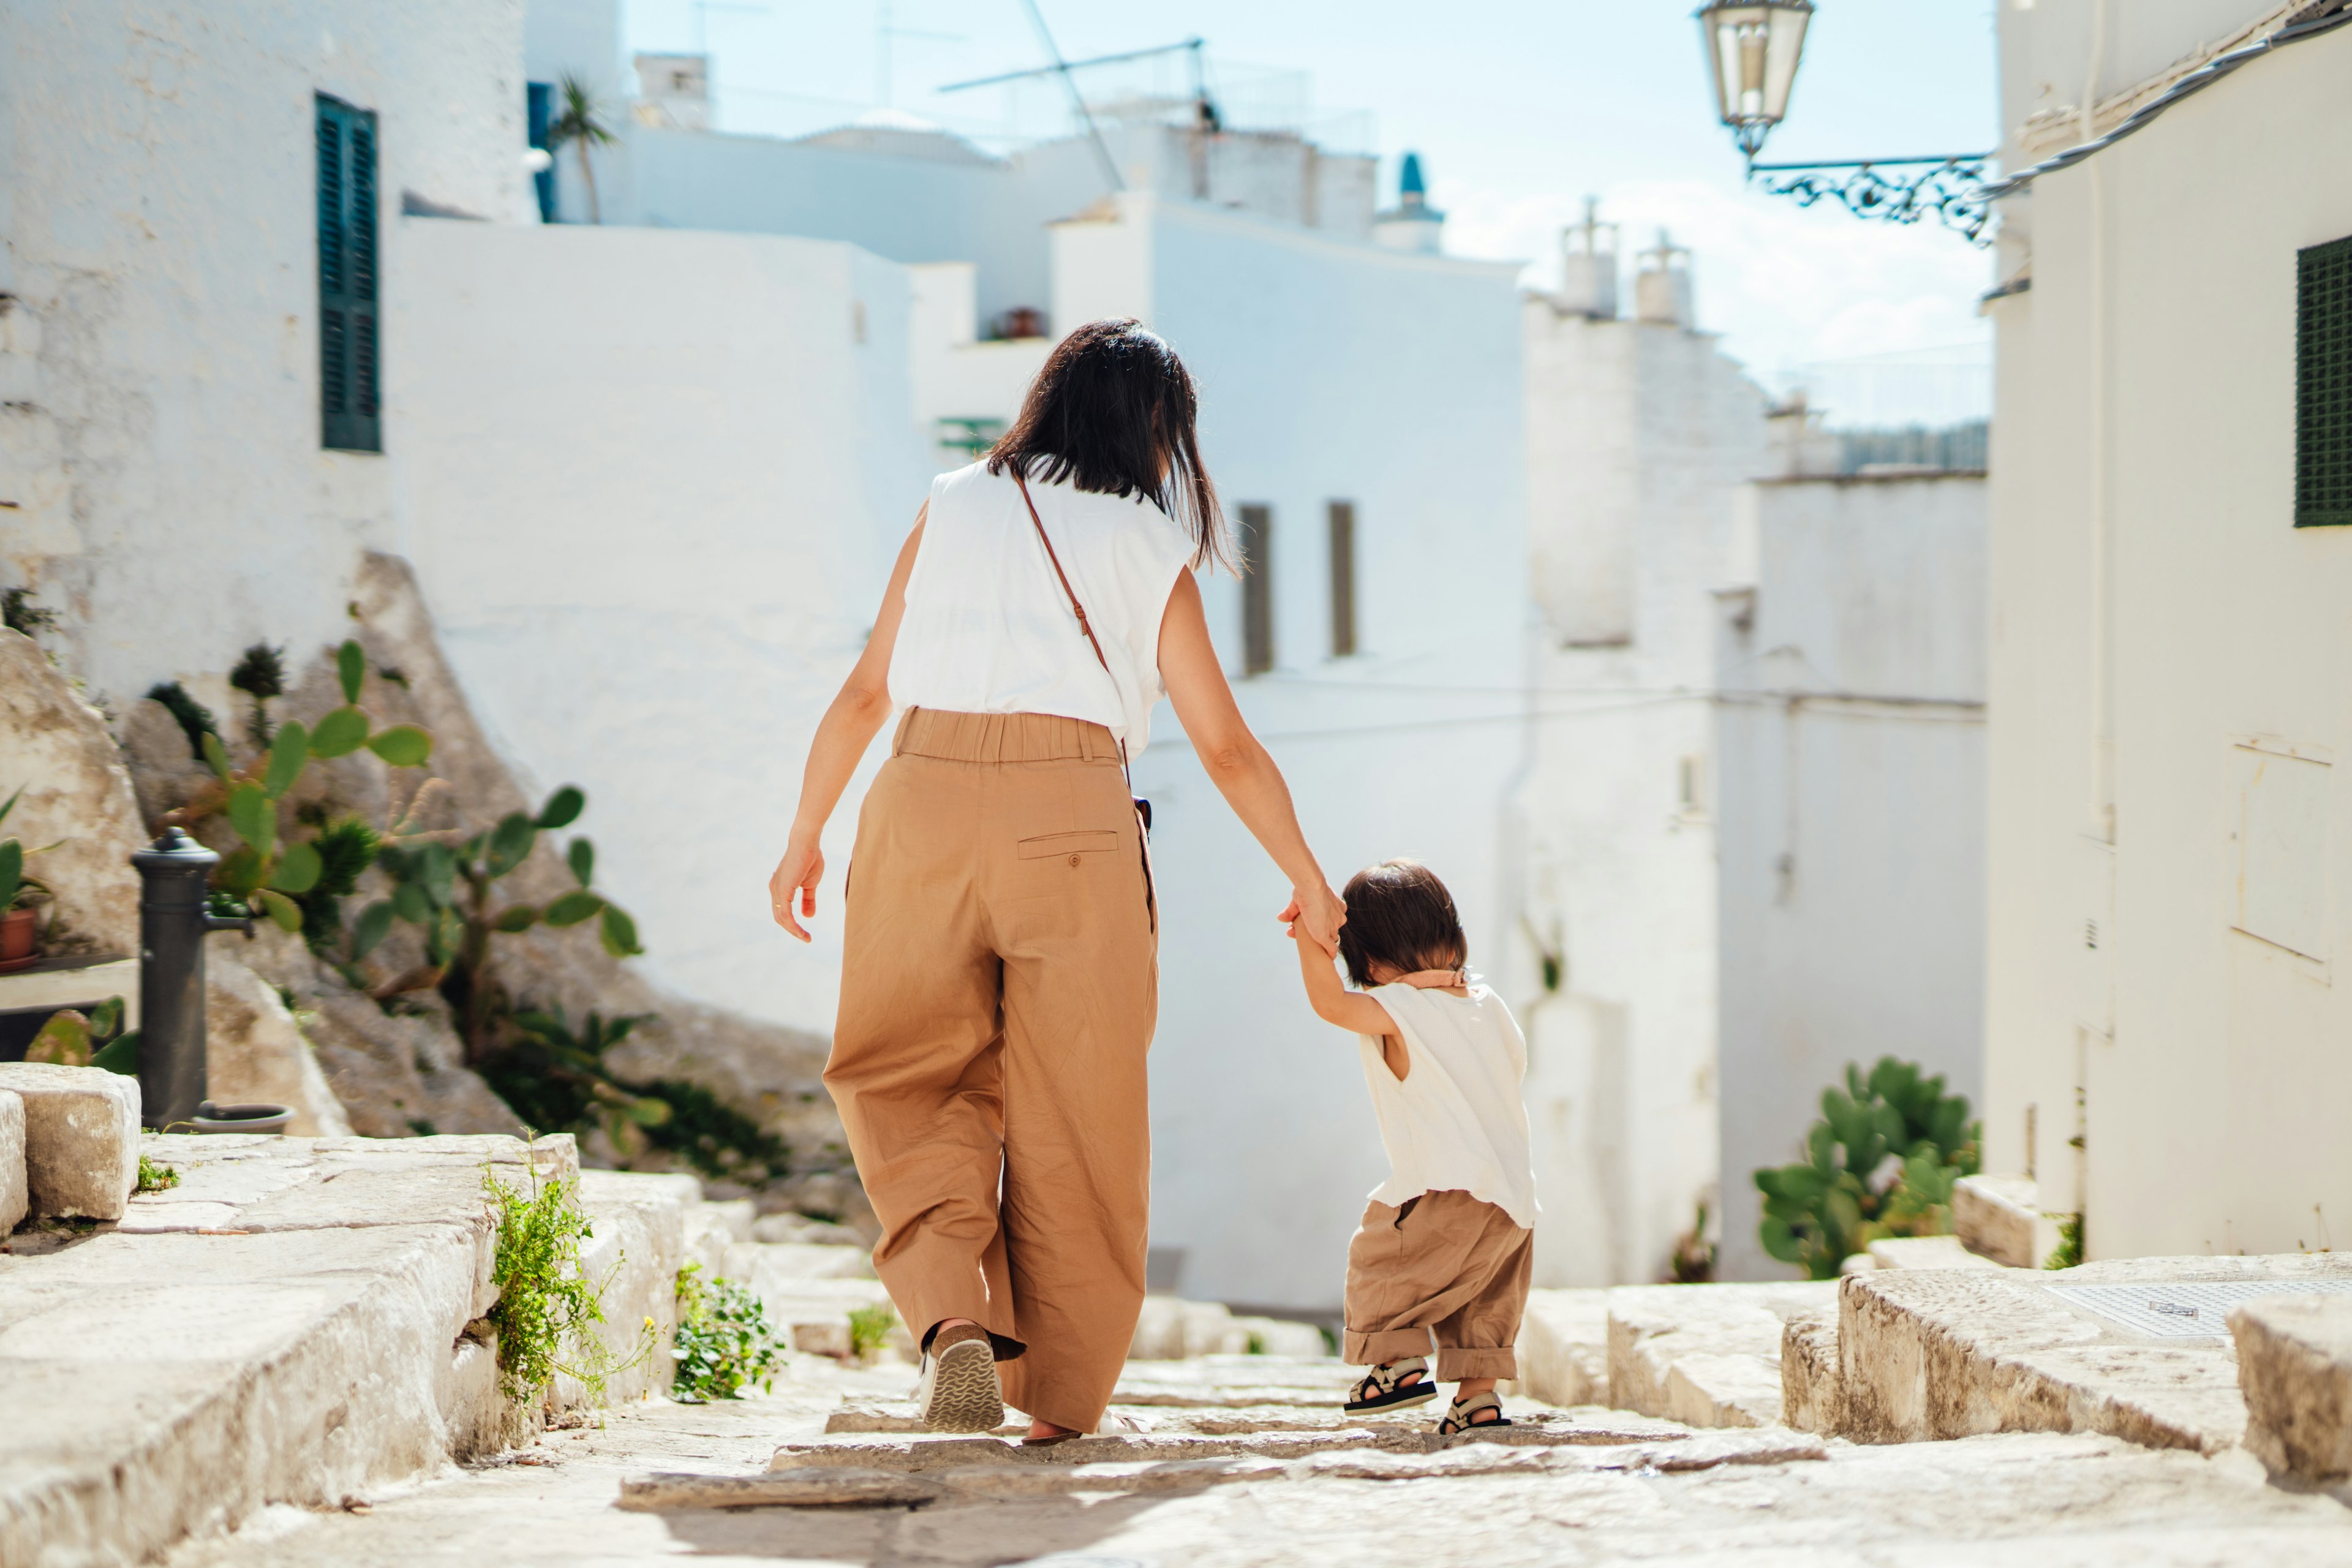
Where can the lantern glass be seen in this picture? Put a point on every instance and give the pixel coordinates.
(1752, 49)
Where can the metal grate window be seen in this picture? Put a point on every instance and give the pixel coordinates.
(2322, 385)
(1257, 588)
(1343, 578)
(350, 412)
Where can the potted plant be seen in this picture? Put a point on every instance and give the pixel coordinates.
(20, 897)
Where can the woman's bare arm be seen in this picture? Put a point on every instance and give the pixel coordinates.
(858, 712)
(1244, 775)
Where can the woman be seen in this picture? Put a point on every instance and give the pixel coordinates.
(999, 969)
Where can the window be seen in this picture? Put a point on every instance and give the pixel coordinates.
(2322, 385)
(1343, 578)
(1257, 589)
(349, 371)
(538, 109)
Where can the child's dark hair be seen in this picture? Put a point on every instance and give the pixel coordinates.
(1400, 915)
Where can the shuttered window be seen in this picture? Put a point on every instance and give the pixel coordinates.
(2322, 385)
(1257, 589)
(349, 367)
(1343, 578)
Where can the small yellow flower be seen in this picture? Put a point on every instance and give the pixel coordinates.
(649, 1322)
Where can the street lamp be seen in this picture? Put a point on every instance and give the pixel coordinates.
(1753, 46)
(1752, 50)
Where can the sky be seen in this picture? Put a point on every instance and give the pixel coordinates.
(1519, 109)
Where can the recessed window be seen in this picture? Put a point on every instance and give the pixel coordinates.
(1343, 578)
(1256, 541)
(350, 370)
(2322, 385)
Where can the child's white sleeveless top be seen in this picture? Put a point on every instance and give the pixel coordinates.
(1457, 1122)
(987, 628)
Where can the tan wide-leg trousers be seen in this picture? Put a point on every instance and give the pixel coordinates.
(1445, 1264)
(998, 991)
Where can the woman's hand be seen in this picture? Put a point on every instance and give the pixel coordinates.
(799, 871)
(1318, 912)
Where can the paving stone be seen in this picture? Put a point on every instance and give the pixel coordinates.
(2001, 1218)
(776, 1489)
(1941, 1354)
(14, 1202)
(1706, 1356)
(2294, 1368)
(1564, 1347)
(1126, 1476)
(81, 1138)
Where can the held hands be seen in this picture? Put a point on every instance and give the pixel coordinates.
(1316, 913)
(799, 871)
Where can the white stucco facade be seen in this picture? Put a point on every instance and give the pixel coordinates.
(2167, 717)
(160, 427)
(1849, 808)
(1639, 434)
(654, 546)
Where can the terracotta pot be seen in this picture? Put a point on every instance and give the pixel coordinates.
(18, 946)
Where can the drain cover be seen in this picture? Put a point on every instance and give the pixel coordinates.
(2183, 1309)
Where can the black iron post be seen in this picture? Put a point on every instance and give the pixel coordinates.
(173, 872)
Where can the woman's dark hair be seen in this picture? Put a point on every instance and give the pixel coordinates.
(1112, 412)
(1400, 914)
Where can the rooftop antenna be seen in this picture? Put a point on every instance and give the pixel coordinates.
(885, 85)
(1077, 98)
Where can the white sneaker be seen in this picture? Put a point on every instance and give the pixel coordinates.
(959, 1391)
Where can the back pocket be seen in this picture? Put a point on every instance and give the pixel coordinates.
(1053, 844)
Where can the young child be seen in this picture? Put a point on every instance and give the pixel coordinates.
(1446, 1244)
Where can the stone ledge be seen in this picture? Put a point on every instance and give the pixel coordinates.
(81, 1139)
(2001, 1218)
(2295, 1369)
(1933, 1355)
(286, 1326)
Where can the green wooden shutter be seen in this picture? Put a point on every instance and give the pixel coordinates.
(1257, 588)
(349, 367)
(2322, 385)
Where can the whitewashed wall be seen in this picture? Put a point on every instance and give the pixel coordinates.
(1638, 434)
(1848, 810)
(159, 429)
(654, 482)
(2161, 629)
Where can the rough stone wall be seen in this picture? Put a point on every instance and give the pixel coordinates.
(77, 808)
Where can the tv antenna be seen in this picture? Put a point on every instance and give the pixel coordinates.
(1062, 68)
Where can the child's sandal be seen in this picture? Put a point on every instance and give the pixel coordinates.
(1464, 1414)
(1392, 1384)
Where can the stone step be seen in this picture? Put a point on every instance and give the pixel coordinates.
(1564, 1347)
(1706, 1356)
(289, 1324)
(2134, 1348)
(2294, 1368)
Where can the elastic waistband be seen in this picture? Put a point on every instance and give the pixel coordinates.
(1001, 738)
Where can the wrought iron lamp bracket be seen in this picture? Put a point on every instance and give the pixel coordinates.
(1952, 188)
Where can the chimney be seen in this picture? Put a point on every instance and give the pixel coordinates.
(1412, 224)
(1662, 288)
(1588, 266)
(674, 92)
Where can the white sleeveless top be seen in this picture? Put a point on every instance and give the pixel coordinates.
(1456, 1123)
(987, 628)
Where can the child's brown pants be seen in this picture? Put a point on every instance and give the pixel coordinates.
(1443, 1262)
(998, 989)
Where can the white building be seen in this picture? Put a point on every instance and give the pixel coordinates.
(1848, 810)
(1639, 433)
(2168, 860)
(170, 488)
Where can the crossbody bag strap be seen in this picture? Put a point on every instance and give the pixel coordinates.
(1077, 608)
